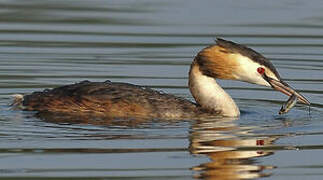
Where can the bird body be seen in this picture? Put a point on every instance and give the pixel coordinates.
(224, 60)
(109, 99)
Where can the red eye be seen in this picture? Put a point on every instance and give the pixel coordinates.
(261, 70)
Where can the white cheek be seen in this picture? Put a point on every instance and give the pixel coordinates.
(248, 72)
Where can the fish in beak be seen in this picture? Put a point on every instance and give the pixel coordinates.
(289, 104)
(285, 88)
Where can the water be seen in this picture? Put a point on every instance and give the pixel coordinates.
(45, 44)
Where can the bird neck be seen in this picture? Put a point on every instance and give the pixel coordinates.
(209, 95)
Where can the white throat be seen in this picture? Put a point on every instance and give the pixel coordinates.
(210, 95)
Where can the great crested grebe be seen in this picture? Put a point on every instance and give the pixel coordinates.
(224, 60)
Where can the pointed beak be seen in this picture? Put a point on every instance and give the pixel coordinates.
(286, 89)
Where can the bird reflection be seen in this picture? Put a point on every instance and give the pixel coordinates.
(232, 150)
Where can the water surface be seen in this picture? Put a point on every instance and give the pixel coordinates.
(45, 44)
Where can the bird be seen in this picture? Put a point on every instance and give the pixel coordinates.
(223, 60)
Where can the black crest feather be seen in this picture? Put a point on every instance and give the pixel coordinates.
(248, 52)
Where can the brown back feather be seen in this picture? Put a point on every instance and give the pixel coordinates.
(108, 98)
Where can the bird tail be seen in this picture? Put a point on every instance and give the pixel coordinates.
(17, 101)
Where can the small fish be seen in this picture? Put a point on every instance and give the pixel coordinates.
(289, 104)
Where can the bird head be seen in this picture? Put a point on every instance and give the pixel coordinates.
(229, 60)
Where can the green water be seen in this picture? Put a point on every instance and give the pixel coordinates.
(44, 44)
